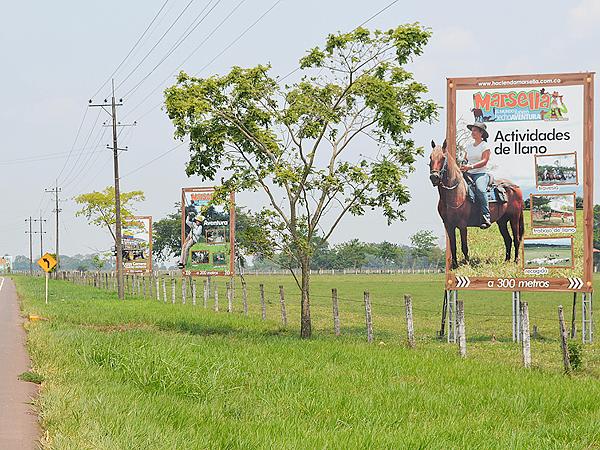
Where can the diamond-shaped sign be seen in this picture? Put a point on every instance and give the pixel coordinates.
(47, 262)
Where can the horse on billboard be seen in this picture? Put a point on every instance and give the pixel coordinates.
(458, 211)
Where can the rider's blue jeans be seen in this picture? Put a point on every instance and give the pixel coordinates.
(482, 180)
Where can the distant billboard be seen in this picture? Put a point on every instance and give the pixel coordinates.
(137, 244)
(207, 234)
(519, 154)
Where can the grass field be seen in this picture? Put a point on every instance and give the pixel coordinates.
(145, 374)
(486, 250)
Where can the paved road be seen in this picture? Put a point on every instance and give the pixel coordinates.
(18, 423)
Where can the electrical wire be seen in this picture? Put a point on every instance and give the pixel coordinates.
(156, 44)
(196, 23)
(132, 48)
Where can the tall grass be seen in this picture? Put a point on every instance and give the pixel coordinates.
(144, 374)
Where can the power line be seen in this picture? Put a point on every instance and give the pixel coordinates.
(162, 155)
(156, 44)
(74, 142)
(132, 49)
(159, 85)
(215, 58)
(385, 8)
(180, 41)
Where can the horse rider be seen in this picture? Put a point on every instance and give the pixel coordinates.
(194, 222)
(478, 156)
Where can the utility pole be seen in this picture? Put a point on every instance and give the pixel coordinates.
(56, 190)
(115, 148)
(41, 232)
(30, 233)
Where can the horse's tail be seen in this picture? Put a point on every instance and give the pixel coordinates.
(521, 226)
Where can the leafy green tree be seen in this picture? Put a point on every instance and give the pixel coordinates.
(423, 242)
(99, 207)
(98, 261)
(166, 235)
(351, 254)
(299, 144)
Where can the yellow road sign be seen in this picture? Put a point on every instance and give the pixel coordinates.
(47, 262)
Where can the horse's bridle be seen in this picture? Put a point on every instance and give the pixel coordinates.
(441, 174)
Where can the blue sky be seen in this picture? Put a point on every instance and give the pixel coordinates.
(57, 54)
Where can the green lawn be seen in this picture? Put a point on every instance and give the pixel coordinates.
(145, 374)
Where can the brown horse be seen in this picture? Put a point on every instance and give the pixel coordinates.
(457, 211)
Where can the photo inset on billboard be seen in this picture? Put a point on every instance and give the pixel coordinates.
(548, 252)
(553, 210)
(137, 244)
(556, 169)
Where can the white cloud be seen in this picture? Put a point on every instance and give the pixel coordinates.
(584, 18)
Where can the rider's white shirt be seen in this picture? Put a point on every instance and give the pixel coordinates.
(474, 155)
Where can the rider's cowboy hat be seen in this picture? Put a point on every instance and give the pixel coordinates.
(480, 126)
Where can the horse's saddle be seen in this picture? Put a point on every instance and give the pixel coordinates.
(496, 192)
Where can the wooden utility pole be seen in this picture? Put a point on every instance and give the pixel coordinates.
(115, 148)
(57, 210)
(30, 233)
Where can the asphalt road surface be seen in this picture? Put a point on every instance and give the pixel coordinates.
(18, 422)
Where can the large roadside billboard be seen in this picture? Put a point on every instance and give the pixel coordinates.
(207, 234)
(137, 244)
(533, 136)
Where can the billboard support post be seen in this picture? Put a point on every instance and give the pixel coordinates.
(516, 316)
(587, 323)
(452, 299)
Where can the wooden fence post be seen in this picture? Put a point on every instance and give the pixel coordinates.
(563, 340)
(263, 307)
(462, 337)
(410, 330)
(144, 283)
(526, 342)
(193, 282)
(173, 287)
(138, 285)
(183, 290)
(157, 281)
(336, 311)
(245, 297)
(368, 318)
(282, 303)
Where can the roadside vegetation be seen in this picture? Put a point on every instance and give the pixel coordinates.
(145, 374)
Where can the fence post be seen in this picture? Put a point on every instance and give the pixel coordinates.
(525, 330)
(563, 340)
(144, 283)
(205, 293)
(368, 318)
(462, 337)
(282, 303)
(173, 287)
(245, 297)
(229, 297)
(216, 297)
(164, 283)
(193, 282)
(157, 281)
(410, 331)
(336, 312)
(263, 307)
(183, 290)
(138, 285)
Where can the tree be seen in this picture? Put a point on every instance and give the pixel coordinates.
(292, 142)
(351, 254)
(423, 242)
(166, 235)
(98, 262)
(99, 207)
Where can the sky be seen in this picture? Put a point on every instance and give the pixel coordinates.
(56, 56)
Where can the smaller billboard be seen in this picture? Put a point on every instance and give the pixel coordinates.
(137, 244)
(207, 234)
